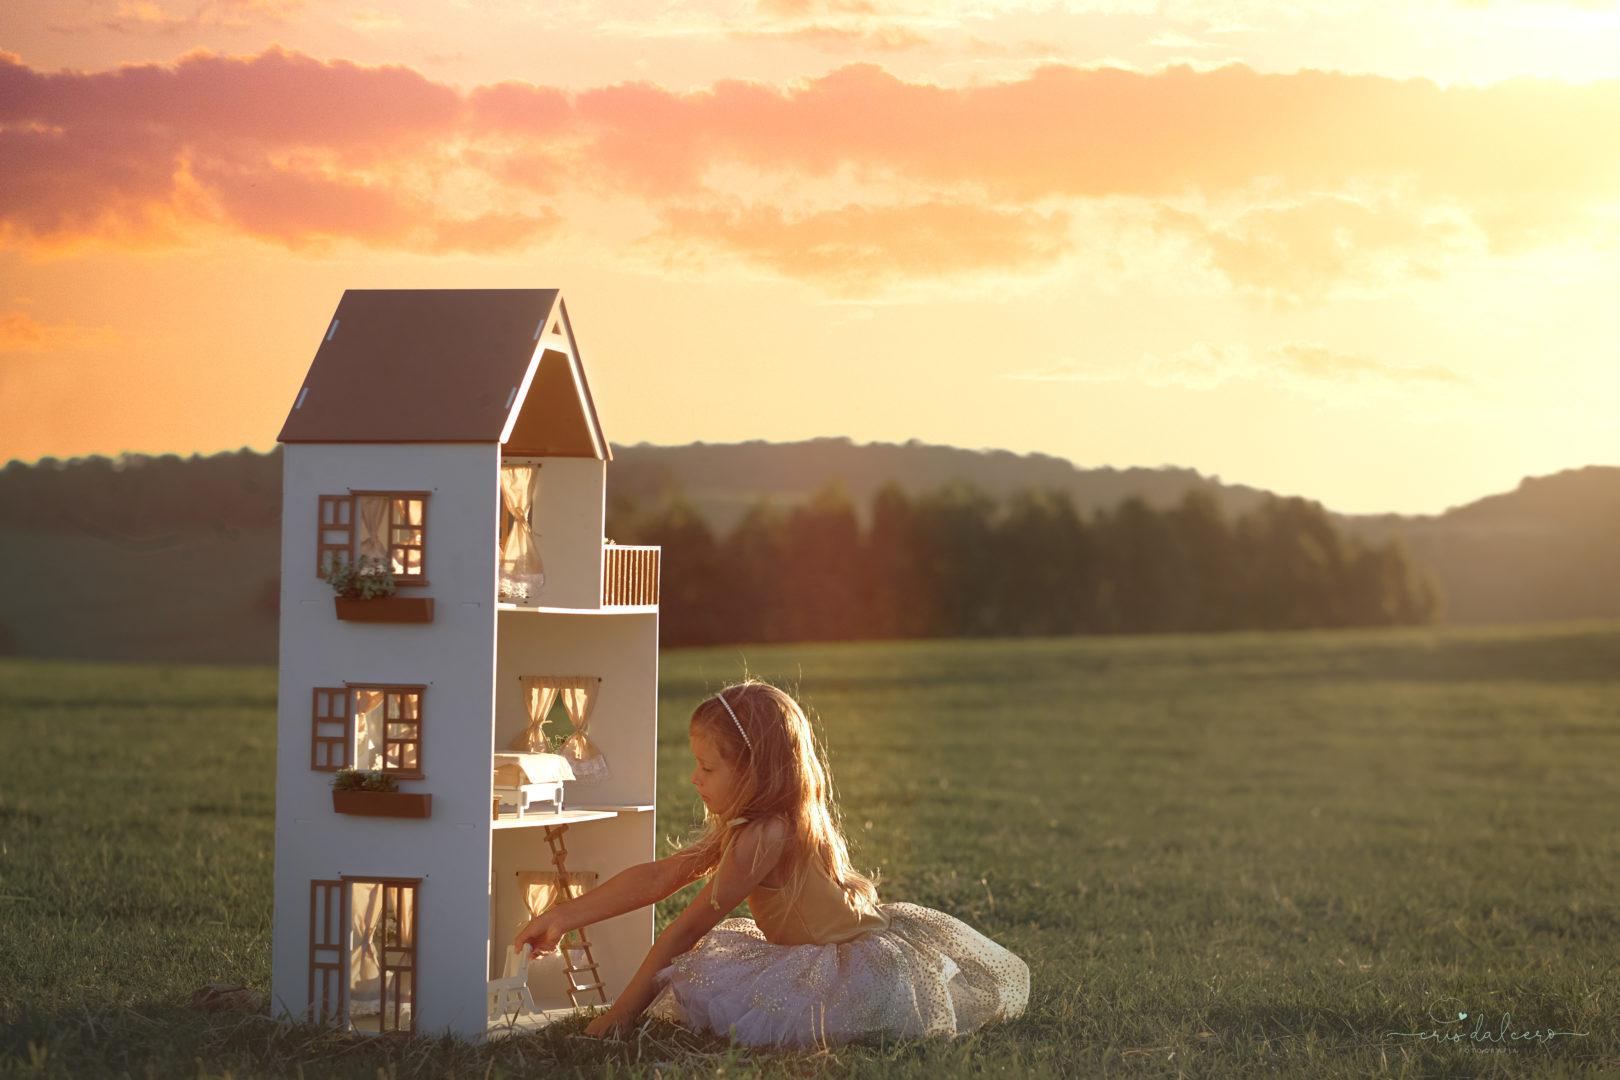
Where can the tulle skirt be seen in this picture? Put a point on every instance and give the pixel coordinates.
(927, 973)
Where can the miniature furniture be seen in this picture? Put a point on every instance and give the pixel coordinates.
(527, 778)
(509, 995)
(452, 435)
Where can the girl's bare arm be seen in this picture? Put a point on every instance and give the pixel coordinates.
(629, 889)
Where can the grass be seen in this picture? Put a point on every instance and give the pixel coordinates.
(1223, 855)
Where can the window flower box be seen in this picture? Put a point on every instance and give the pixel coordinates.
(375, 793)
(403, 804)
(385, 609)
(367, 592)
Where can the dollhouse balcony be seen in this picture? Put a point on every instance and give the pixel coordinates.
(629, 575)
(629, 583)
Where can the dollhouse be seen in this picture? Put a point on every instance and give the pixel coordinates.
(479, 740)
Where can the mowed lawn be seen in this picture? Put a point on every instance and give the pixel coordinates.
(1220, 855)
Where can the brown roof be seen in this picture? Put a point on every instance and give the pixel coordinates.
(441, 365)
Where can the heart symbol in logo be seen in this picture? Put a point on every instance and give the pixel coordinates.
(1462, 1016)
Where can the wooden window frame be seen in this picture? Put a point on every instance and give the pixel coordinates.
(413, 950)
(344, 515)
(390, 692)
(334, 514)
(329, 978)
(343, 743)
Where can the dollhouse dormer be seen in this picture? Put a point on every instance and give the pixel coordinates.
(497, 367)
(507, 693)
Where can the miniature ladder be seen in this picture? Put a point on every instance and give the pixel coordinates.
(559, 858)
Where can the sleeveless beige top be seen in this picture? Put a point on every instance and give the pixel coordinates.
(822, 914)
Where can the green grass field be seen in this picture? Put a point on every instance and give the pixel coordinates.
(1223, 855)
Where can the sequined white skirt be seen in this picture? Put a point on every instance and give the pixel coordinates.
(927, 973)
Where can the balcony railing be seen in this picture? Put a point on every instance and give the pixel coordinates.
(629, 575)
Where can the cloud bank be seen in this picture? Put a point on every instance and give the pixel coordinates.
(1287, 186)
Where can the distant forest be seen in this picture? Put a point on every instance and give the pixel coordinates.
(956, 563)
(950, 562)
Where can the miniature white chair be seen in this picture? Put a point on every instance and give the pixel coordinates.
(509, 995)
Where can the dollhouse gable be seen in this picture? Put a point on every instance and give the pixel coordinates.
(449, 365)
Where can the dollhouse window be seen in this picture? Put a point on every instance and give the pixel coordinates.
(362, 952)
(388, 729)
(367, 727)
(387, 527)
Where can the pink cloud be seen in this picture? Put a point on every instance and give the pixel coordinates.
(299, 151)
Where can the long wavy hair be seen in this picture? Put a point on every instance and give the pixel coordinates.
(785, 774)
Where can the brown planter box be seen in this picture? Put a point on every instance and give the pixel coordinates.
(385, 609)
(383, 803)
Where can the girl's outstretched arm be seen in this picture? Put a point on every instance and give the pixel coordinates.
(755, 851)
(629, 889)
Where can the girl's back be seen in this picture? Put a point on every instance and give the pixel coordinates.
(814, 911)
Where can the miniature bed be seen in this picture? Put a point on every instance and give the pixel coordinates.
(524, 778)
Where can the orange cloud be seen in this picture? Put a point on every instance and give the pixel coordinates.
(275, 146)
(856, 248)
(1307, 367)
(1296, 253)
(127, 16)
(1289, 184)
(840, 37)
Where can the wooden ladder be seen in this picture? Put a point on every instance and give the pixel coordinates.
(559, 859)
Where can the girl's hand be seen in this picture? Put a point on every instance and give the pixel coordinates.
(611, 1024)
(542, 933)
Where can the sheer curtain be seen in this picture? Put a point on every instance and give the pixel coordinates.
(365, 943)
(585, 756)
(523, 574)
(368, 729)
(539, 692)
(373, 537)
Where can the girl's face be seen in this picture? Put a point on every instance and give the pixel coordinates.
(715, 780)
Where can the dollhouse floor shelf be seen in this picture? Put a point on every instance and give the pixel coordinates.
(536, 1020)
(611, 609)
(571, 816)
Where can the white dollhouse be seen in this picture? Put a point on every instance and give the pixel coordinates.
(500, 707)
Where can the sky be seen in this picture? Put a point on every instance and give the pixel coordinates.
(1363, 253)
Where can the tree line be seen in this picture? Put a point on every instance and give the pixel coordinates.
(956, 563)
(953, 562)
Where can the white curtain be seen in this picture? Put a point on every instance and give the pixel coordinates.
(368, 728)
(583, 755)
(365, 957)
(369, 935)
(539, 693)
(523, 574)
(373, 539)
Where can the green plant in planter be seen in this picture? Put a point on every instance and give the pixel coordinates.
(365, 579)
(363, 780)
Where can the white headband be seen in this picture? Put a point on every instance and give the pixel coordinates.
(734, 720)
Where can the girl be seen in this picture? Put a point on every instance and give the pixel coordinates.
(822, 960)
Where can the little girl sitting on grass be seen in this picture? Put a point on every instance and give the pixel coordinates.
(822, 960)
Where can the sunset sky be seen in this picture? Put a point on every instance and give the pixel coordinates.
(1365, 253)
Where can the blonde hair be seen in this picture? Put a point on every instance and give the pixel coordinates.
(783, 774)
